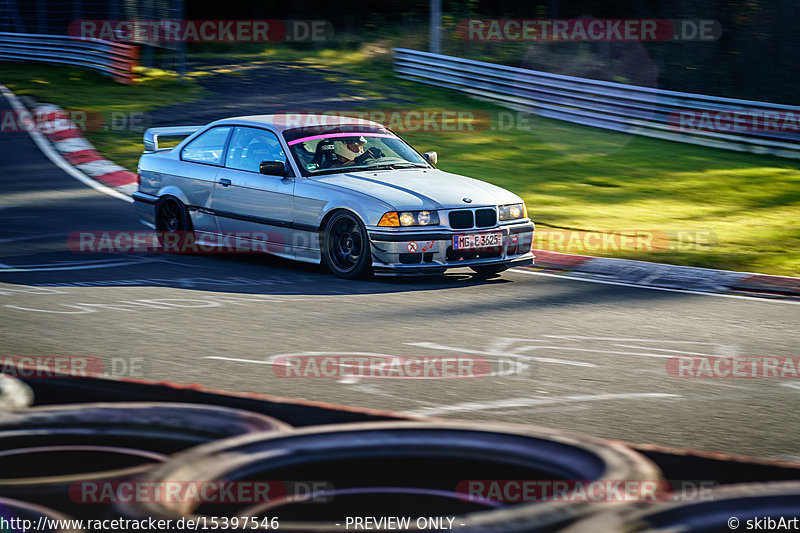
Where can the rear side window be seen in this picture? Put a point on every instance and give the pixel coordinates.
(250, 146)
(208, 147)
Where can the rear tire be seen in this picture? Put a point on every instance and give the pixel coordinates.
(346, 248)
(174, 225)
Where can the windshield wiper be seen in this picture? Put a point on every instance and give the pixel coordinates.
(410, 165)
(396, 166)
(388, 166)
(338, 170)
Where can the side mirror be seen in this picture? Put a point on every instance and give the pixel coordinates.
(431, 157)
(273, 168)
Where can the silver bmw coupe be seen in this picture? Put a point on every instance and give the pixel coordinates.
(345, 192)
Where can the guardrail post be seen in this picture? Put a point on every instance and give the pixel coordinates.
(41, 16)
(436, 27)
(11, 14)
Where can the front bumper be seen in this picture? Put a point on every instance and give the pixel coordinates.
(422, 252)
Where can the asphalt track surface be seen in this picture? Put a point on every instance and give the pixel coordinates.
(588, 357)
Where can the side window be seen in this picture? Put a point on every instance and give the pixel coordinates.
(208, 147)
(250, 146)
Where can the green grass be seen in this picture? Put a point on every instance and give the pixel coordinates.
(103, 99)
(733, 210)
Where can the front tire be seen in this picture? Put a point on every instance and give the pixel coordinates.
(346, 248)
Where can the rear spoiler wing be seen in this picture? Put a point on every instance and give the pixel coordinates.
(152, 134)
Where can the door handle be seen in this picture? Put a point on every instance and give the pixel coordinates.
(225, 182)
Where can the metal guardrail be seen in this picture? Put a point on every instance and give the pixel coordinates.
(113, 59)
(614, 106)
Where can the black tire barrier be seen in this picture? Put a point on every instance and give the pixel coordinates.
(432, 457)
(159, 427)
(722, 509)
(27, 511)
(14, 394)
(48, 391)
(354, 501)
(53, 475)
(46, 453)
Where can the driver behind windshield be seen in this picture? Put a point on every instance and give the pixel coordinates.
(350, 151)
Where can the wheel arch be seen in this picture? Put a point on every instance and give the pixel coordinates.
(327, 216)
(324, 223)
(172, 190)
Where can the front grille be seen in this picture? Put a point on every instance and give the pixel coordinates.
(466, 218)
(485, 218)
(456, 255)
(461, 219)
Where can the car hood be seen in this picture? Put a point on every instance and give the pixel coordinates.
(409, 189)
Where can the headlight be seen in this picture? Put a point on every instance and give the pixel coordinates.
(512, 211)
(407, 219)
(394, 219)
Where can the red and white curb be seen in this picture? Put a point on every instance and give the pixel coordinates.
(684, 278)
(67, 139)
(54, 156)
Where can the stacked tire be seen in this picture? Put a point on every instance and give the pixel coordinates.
(50, 456)
(397, 469)
(320, 476)
(749, 506)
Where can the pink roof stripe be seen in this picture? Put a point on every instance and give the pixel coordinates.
(334, 135)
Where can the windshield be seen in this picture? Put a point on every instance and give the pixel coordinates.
(327, 150)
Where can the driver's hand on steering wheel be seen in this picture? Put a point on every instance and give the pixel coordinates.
(372, 153)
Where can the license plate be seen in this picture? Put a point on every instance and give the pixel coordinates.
(477, 241)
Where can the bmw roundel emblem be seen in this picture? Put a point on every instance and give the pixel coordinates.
(467, 200)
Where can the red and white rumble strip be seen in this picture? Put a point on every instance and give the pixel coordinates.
(55, 124)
